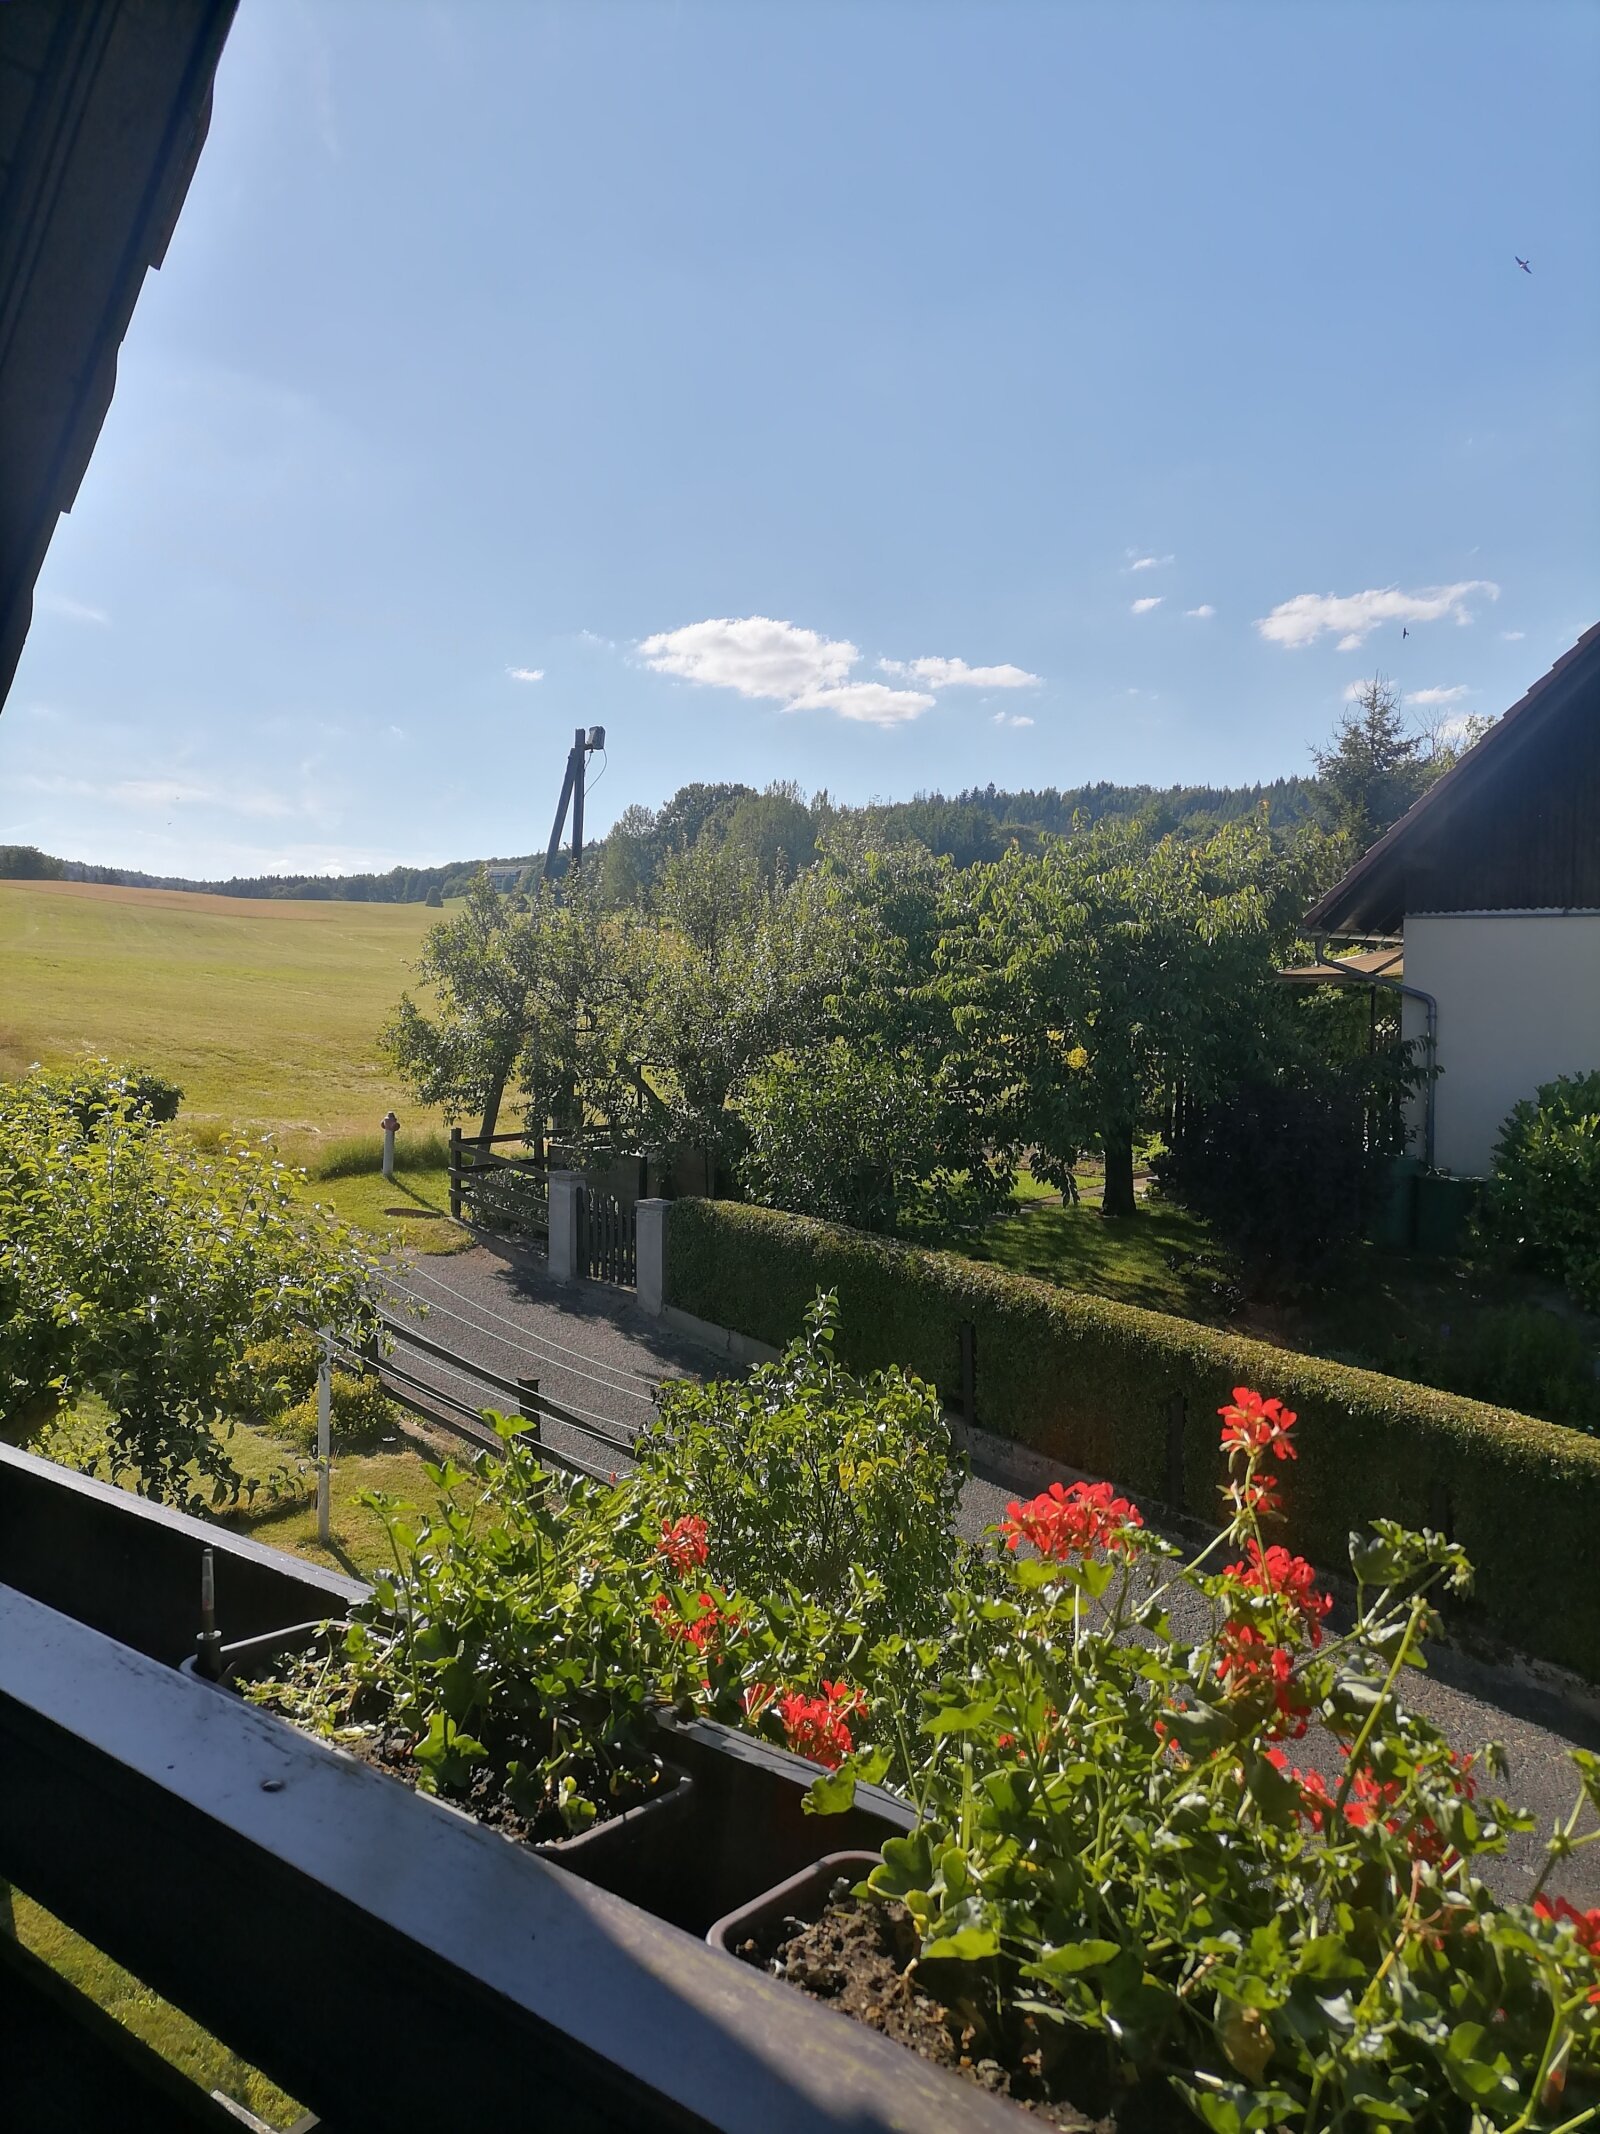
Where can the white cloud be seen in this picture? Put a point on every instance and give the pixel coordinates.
(956, 674)
(1011, 718)
(1143, 607)
(1512, 637)
(73, 610)
(754, 655)
(757, 656)
(1203, 613)
(1438, 696)
(526, 674)
(1309, 616)
(872, 703)
(1150, 563)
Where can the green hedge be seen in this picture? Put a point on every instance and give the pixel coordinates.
(1093, 1384)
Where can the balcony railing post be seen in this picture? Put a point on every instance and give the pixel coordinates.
(324, 1435)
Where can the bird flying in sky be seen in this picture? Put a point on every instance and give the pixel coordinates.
(1524, 264)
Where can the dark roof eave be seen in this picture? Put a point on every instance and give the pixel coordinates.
(1362, 904)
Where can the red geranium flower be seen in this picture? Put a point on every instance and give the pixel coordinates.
(1063, 1522)
(1288, 1578)
(683, 1544)
(706, 1628)
(1585, 1928)
(1253, 1425)
(1247, 1661)
(818, 1726)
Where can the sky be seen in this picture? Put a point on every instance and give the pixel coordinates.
(887, 397)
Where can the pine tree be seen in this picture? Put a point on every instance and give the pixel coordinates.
(1374, 769)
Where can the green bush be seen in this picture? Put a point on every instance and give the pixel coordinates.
(807, 1477)
(362, 1416)
(1543, 1202)
(1114, 1390)
(1518, 1354)
(91, 1089)
(273, 1375)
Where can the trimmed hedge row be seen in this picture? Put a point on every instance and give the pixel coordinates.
(1132, 1395)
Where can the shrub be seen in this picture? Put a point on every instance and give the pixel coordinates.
(1513, 1353)
(96, 1087)
(362, 1416)
(1115, 1390)
(806, 1477)
(840, 1134)
(1543, 1201)
(273, 1375)
(135, 1267)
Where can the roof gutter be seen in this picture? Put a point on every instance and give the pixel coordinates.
(1412, 992)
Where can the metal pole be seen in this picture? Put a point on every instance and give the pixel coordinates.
(389, 1126)
(324, 1433)
(455, 1174)
(580, 766)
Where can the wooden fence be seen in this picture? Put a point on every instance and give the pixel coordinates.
(473, 1163)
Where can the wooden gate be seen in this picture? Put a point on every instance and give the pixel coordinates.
(608, 1246)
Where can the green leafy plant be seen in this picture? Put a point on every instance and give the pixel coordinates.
(842, 1488)
(1543, 1198)
(361, 1416)
(1121, 1854)
(514, 1652)
(137, 1268)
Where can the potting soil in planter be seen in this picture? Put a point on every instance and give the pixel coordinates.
(856, 1958)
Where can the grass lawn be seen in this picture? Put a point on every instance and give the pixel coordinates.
(1163, 1258)
(410, 1211)
(283, 1514)
(165, 2029)
(267, 1013)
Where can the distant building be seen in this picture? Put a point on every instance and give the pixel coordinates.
(1491, 884)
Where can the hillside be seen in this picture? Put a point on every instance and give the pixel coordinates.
(267, 1013)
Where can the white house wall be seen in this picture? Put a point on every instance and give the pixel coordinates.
(1519, 1004)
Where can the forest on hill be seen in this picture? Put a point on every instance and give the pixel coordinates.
(781, 822)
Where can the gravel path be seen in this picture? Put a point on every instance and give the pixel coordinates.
(592, 1350)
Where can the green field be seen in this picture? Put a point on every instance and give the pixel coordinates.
(267, 1013)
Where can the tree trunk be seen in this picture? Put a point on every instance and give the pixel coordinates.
(1117, 1139)
(491, 1103)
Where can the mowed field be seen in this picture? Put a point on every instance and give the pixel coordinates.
(268, 1014)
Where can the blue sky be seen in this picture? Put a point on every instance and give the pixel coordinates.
(881, 396)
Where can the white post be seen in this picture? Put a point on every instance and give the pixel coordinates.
(324, 1434)
(566, 1214)
(389, 1126)
(650, 1241)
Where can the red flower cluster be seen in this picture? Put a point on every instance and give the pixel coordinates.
(1585, 1927)
(1063, 1522)
(704, 1630)
(1371, 1801)
(1287, 1578)
(1253, 1425)
(1247, 1661)
(683, 1544)
(818, 1726)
